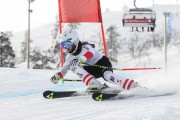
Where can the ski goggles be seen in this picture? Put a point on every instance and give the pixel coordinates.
(66, 44)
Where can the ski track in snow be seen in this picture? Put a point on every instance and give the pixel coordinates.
(35, 107)
(21, 99)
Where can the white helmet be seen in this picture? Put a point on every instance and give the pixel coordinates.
(72, 36)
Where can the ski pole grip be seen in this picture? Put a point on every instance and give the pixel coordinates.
(84, 64)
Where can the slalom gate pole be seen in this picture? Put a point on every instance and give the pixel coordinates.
(120, 69)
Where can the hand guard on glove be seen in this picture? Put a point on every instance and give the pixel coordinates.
(56, 77)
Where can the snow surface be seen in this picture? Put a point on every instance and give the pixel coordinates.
(21, 89)
(21, 96)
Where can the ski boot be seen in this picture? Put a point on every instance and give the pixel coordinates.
(96, 86)
(136, 87)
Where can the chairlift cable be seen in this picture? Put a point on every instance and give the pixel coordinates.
(135, 4)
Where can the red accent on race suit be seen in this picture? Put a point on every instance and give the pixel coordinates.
(85, 77)
(88, 55)
(89, 80)
(60, 74)
(124, 85)
(130, 83)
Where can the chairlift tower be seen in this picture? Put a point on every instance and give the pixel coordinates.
(28, 41)
(166, 14)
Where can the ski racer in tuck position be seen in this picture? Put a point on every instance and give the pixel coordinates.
(79, 52)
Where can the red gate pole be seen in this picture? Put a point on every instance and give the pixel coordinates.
(60, 29)
(104, 41)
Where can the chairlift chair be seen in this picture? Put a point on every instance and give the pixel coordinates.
(139, 17)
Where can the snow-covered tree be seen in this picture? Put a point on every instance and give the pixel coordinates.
(42, 59)
(158, 41)
(56, 41)
(56, 31)
(7, 54)
(112, 42)
(97, 40)
(138, 46)
(24, 47)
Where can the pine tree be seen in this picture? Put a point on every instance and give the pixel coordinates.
(36, 59)
(97, 40)
(112, 42)
(56, 31)
(48, 59)
(42, 60)
(24, 47)
(7, 54)
(24, 50)
(56, 41)
(138, 47)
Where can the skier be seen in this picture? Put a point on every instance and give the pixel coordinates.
(79, 52)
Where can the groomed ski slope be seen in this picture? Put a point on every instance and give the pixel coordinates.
(21, 95)
(84, 108)
(21, 99)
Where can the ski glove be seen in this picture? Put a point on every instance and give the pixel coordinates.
(85, 57)
(79, 62)
(56, 77)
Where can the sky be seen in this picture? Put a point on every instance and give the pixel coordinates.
(14, 13)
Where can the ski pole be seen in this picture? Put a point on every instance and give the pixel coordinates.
(120, 69)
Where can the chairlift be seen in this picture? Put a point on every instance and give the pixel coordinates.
(139, 17)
